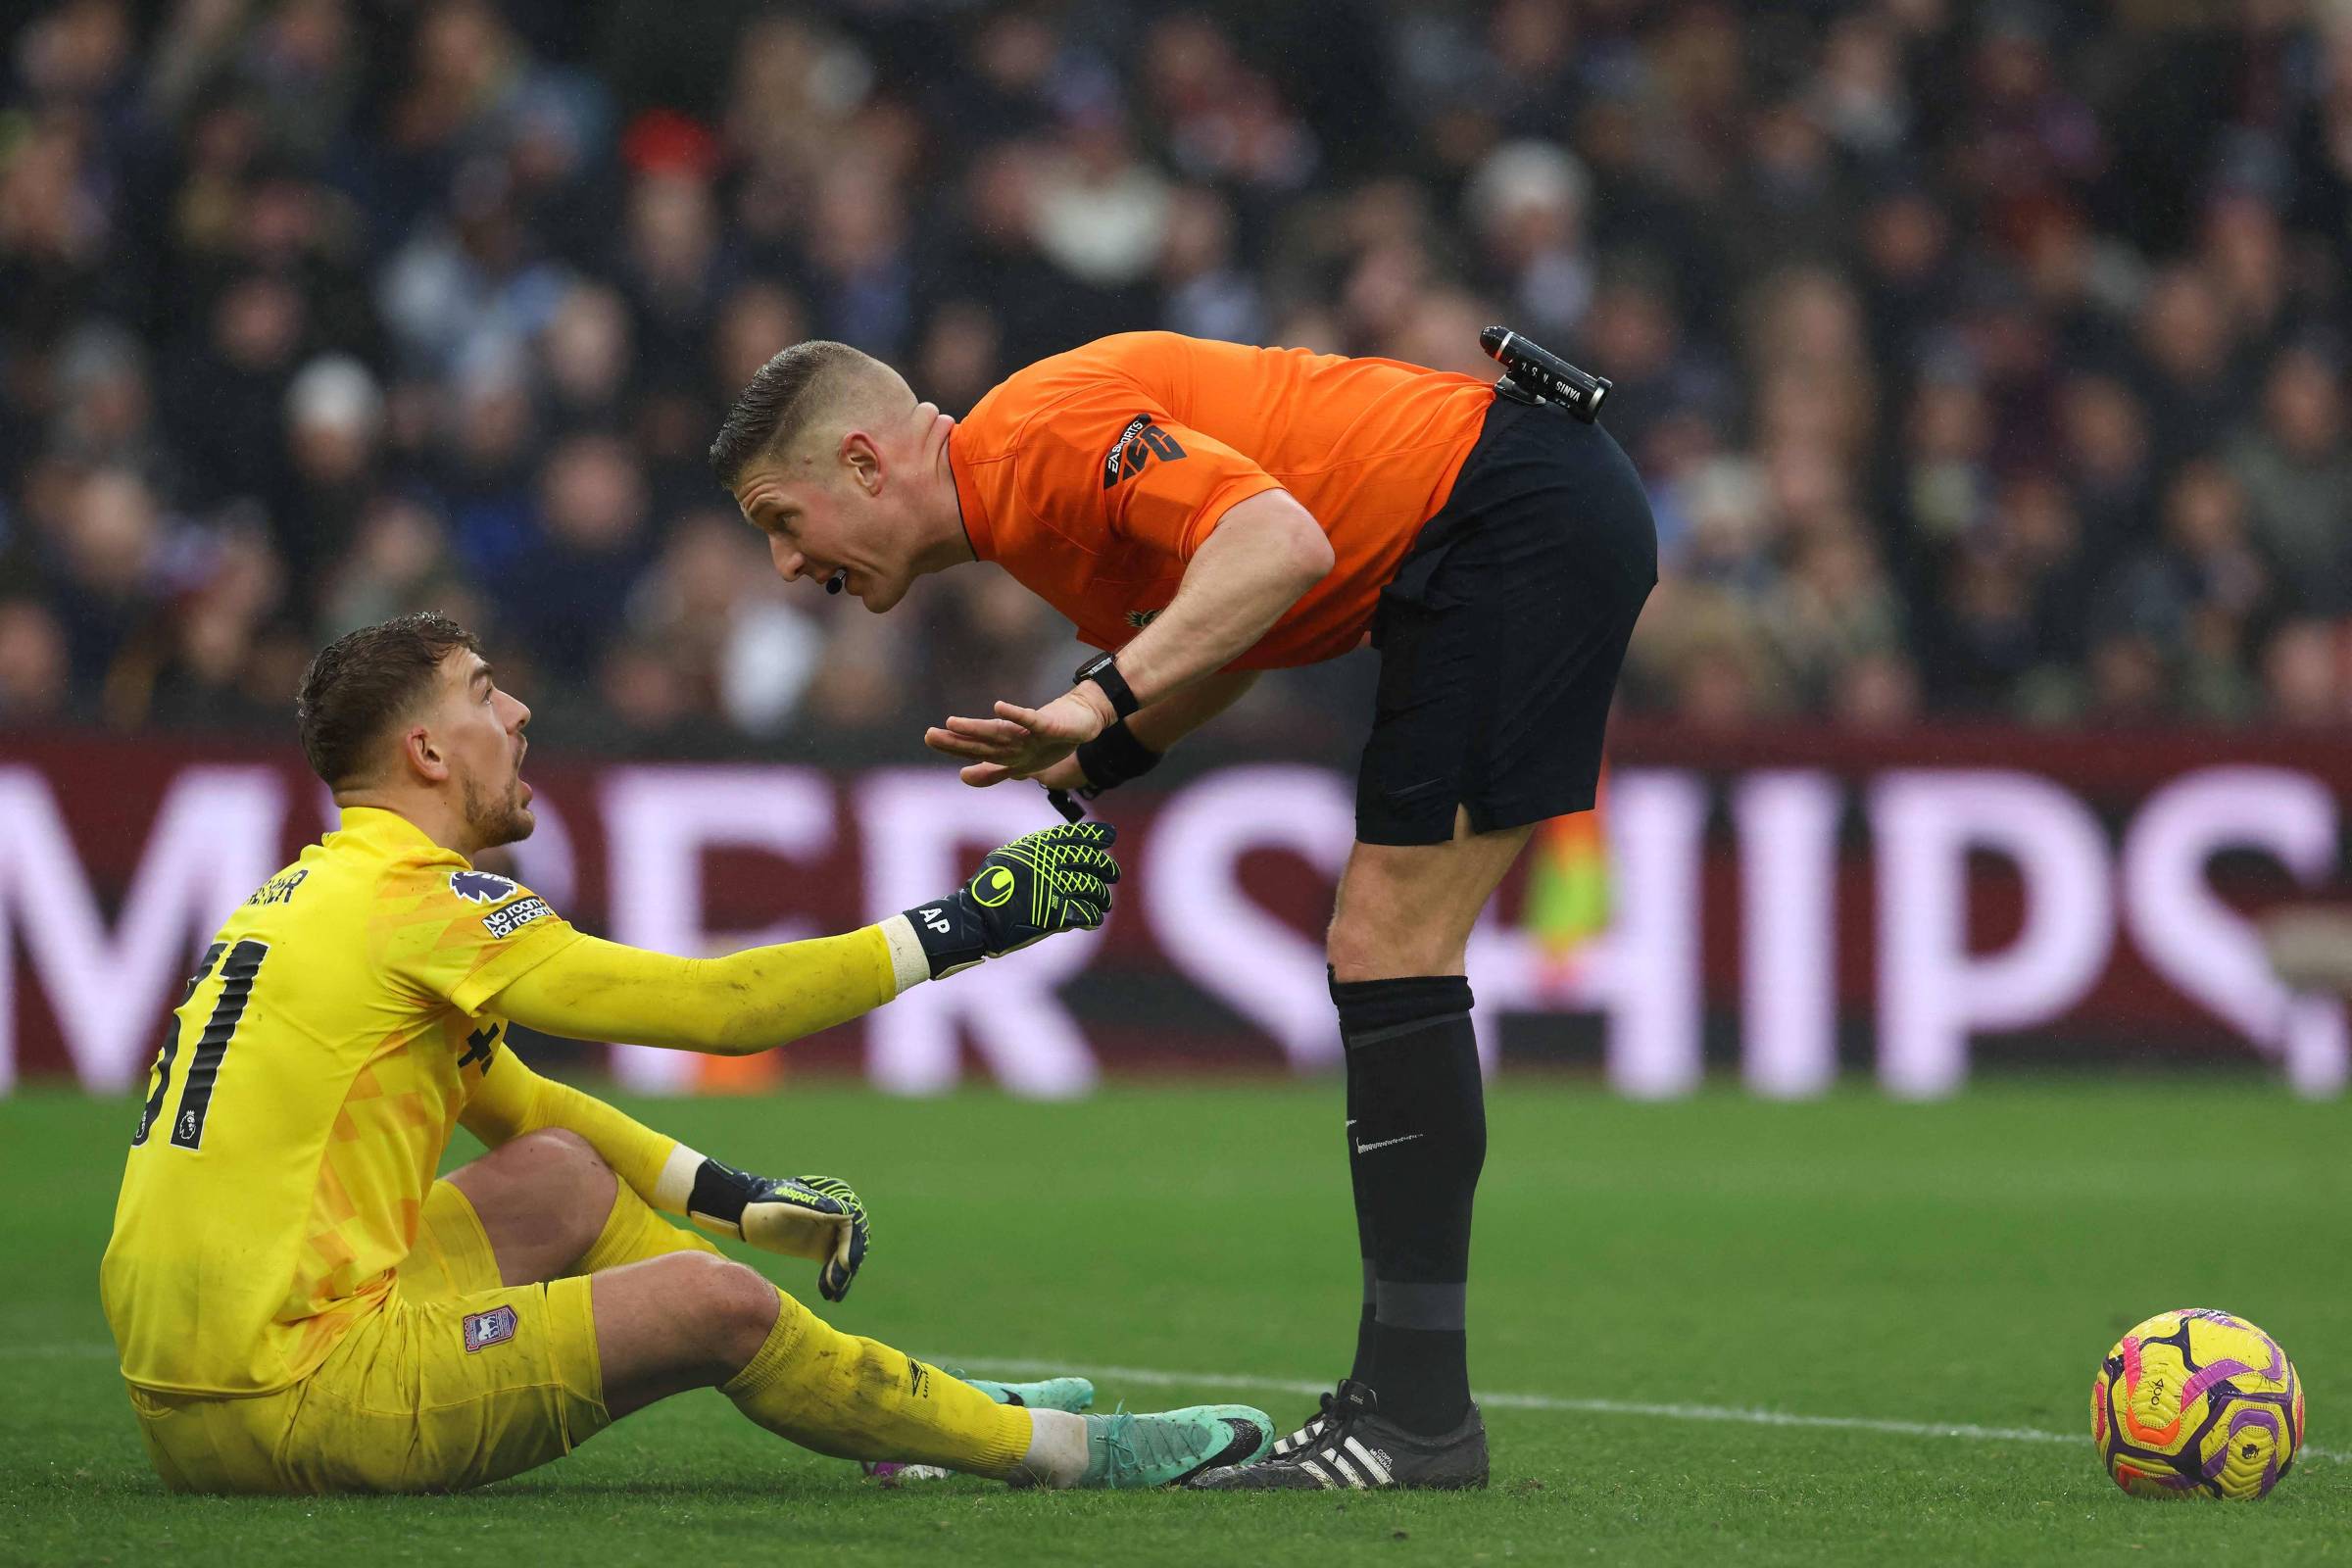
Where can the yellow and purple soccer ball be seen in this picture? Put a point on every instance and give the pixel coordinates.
(2197, 1403)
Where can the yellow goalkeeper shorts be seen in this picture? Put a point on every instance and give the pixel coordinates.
(457, 1383)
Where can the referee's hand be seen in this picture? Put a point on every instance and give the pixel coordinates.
(1065, 774)
(1020, 742)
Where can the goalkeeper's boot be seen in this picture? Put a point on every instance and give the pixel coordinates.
(1361, 1451)
(1127, 1452)
(1074, 1395)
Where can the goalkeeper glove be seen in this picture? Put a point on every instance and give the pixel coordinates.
(1055, 879)
(816, 1217)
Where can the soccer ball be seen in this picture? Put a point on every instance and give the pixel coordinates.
(2197, 1403)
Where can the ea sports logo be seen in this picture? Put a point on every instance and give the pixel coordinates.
(993, 887)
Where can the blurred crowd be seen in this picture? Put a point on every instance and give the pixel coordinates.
(1981, 357)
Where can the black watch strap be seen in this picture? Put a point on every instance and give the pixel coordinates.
(1103, 670)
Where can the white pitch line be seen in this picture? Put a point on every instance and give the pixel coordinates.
(1161, 1377)
(1158, 1377)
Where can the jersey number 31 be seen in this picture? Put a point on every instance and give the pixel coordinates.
(204, 1063)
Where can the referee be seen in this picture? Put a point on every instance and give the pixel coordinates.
(1205, 511)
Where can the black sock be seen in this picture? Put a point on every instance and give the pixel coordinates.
(1417, 1142)
(1365, 1342)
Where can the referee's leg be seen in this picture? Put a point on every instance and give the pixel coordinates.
(1416, 1110)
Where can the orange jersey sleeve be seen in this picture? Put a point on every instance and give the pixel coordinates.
(1094, 476)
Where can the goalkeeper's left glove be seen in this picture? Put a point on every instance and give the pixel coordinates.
(816, 1217)
(1055, 879)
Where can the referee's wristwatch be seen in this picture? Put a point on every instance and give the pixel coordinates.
(1103, 670)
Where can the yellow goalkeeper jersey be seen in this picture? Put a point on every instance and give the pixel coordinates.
(300, 1104)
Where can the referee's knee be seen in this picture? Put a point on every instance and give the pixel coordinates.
(1367, 943)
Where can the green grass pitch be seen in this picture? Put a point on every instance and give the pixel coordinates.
(1897, 1267)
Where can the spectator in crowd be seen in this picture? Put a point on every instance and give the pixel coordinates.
(2295, 468)
(32, 664)
(565, 593)
(334, 422)
(2303, 674)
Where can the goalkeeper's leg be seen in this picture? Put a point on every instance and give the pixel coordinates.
(687, 1321)
(550, 1208)
(684, 1322)
(669, 1314)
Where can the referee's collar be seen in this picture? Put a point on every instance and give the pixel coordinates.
(976, 529)
(384, 832)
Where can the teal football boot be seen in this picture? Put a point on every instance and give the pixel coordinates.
(1127, 1452)
(1074, 1395)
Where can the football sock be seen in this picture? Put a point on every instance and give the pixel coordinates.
(633, 1232)
(1362, 1370)
(1367, 1343)
(1417, 1143)
(857, 1398)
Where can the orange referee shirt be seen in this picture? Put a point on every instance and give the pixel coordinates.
(1093, 476)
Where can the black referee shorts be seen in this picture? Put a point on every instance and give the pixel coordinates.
(1502, 635)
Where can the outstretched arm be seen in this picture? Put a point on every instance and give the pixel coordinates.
(1265, 554)
(1055, 879)
(730, 1006)
(1161, 724)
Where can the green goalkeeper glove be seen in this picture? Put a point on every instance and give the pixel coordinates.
(1055, 879)
(816, 1217)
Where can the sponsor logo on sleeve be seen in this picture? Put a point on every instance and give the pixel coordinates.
(485, 1328)
(482, 887)
(507, 919)
(1137, 445)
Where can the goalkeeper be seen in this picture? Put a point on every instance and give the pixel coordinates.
(301, 1307)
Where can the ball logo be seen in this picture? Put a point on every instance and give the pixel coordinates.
(482, 887)
(993, 887)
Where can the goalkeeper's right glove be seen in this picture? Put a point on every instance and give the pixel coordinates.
(816, 1217)
(1055, 879)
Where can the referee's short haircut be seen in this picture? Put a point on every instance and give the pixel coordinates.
(788, 392)
(366, 681)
